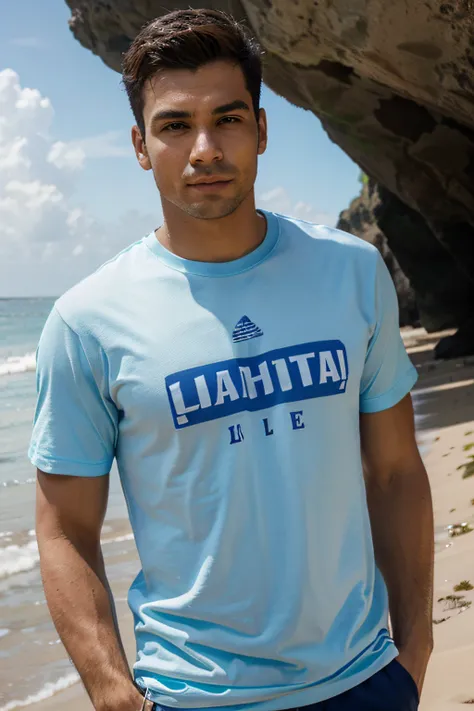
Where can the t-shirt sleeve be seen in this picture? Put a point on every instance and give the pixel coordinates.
(388, 373)
(75, 426)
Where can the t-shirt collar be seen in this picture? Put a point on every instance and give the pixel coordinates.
(220, 269)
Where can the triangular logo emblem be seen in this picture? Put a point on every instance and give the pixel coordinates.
(245, 330)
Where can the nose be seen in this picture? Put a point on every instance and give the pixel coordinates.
(205, 149)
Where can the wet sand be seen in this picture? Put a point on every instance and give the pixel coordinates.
(445, 409)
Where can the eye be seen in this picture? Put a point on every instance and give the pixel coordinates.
(230, 119)
(175, 126)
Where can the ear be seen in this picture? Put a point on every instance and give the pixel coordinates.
(140, 149)
(262, 132)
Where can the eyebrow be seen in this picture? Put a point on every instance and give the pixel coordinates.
(170, 114)
(173, 114)
(237, 105)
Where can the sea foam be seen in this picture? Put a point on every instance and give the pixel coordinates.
(48, 690)
(18, 364)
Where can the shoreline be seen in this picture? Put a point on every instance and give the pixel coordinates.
(445, 416)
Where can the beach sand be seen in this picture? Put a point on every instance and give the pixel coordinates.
(445, 409)
(446, 391)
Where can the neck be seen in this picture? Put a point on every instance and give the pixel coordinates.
(219, 240)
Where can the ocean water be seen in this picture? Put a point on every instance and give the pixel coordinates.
(26, 631)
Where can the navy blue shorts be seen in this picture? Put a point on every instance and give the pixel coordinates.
(391, 689)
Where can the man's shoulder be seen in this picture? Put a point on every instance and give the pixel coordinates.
(325, 236)
(104, 288)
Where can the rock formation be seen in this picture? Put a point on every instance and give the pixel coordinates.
(393, 84)
(359, 219)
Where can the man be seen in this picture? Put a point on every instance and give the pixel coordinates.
(241, 367)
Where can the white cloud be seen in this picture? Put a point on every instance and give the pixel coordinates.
(40, 220)
(33, 207)
(64, 156)
(273, 196)
(278, 200)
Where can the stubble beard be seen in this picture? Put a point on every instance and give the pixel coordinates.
(213, 211)
(213, 208)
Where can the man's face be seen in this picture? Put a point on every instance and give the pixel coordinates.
(202, 138)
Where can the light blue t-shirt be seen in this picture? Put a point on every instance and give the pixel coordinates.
(230, 395)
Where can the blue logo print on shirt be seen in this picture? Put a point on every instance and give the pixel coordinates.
(291, 374)
(245, 330)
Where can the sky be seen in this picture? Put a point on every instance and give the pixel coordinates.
(71, 192)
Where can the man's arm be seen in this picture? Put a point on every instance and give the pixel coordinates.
(69, 515)
(401, 514)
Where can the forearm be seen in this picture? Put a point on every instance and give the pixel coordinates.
(82, 609)
(401, 515)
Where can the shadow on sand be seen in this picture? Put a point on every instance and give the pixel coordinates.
(444, 393)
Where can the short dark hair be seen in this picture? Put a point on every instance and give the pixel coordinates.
(188, 39)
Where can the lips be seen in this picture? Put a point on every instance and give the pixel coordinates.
(210, 186)
(209, 182)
